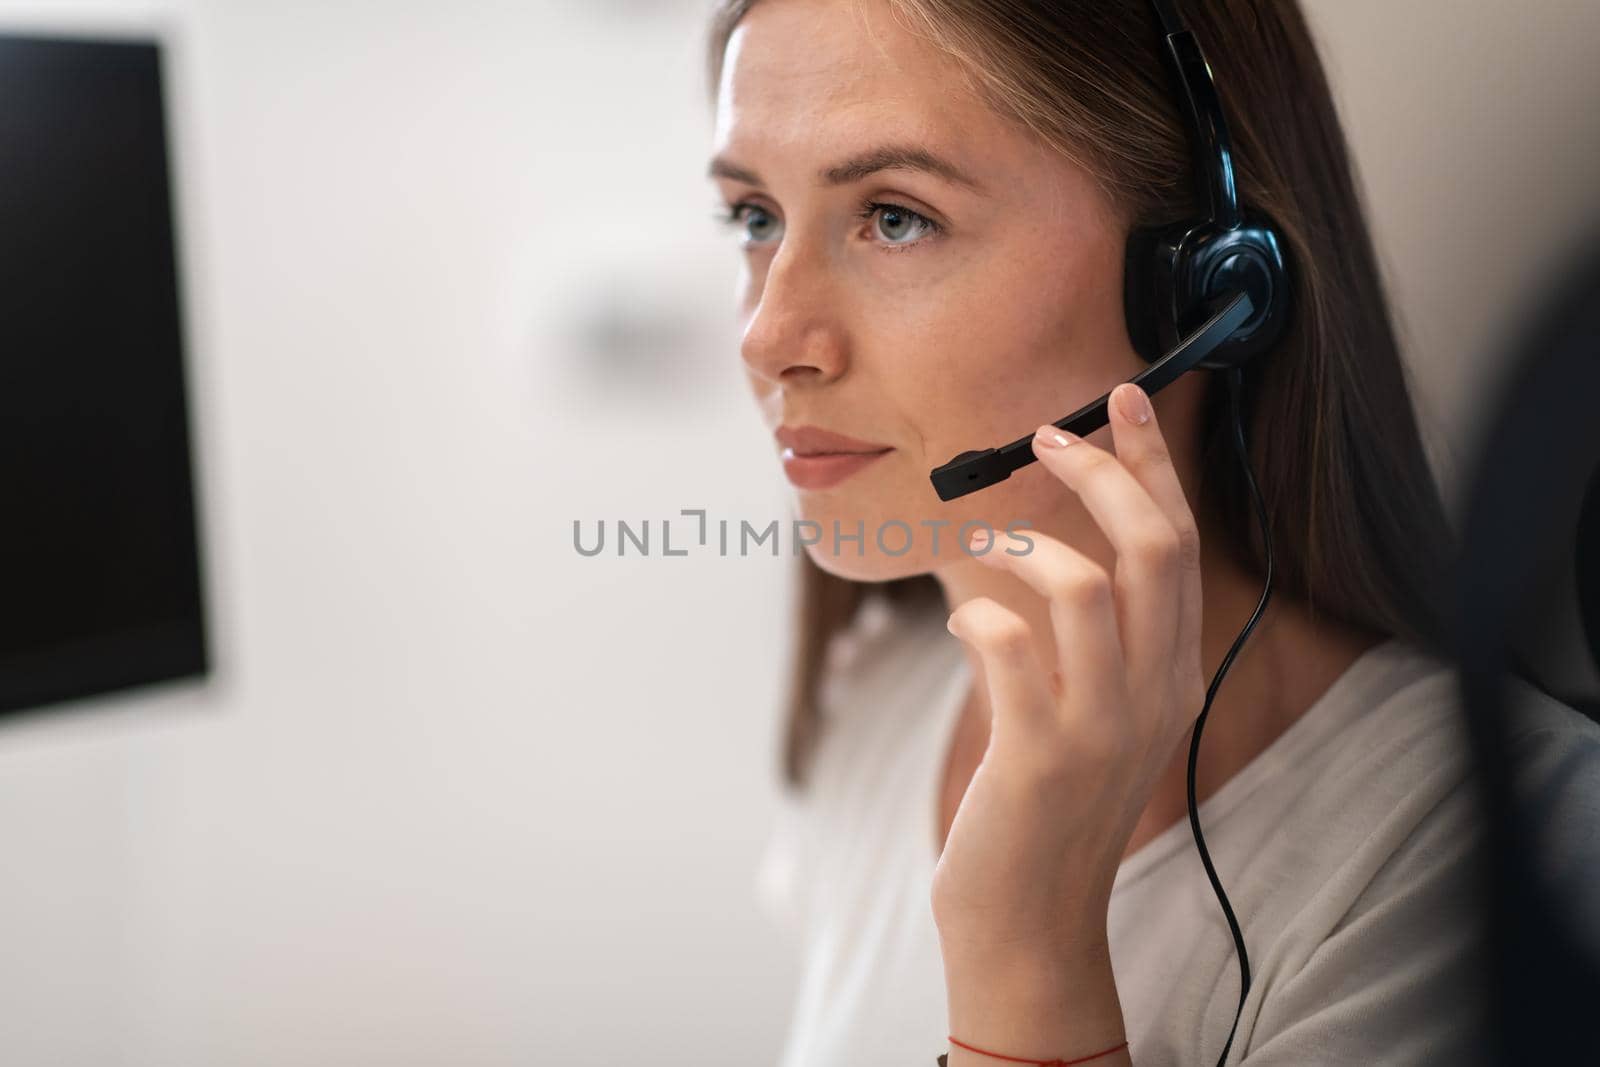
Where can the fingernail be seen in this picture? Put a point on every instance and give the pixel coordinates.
(1135, 404)
(1051, 437)
(979, 542)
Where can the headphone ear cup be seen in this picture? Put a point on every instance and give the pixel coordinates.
(1171, 273)
(1149, 289)
(1247, 258)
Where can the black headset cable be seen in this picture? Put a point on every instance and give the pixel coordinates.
(1235, 387)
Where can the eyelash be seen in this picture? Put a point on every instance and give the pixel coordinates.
(867, 209)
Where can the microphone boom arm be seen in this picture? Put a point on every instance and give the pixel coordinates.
(971, 471)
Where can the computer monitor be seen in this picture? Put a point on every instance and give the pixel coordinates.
(99, 546)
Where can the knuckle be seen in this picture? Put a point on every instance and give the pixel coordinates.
(1188, 542)
(1007, 636)
(1157, 545)
(1085, 585)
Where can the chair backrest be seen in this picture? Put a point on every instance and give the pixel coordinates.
(1531, 532)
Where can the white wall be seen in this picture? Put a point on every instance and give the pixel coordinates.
(1476, 126)
(456, 795)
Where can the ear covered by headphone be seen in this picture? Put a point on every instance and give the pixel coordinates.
(1173, 272)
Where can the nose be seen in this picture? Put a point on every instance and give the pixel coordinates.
(794, 334)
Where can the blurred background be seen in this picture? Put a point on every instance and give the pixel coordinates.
(450, 792)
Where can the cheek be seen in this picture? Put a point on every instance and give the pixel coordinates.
(1042, 336)
(987, 388)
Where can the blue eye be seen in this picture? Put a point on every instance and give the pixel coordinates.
(736, 214)
(900, 216)
(897, 218)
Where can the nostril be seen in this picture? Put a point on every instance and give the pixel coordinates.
(801, 372)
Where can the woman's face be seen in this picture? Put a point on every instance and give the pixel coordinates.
(918, 274)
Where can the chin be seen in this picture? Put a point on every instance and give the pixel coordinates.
(870, 566)
(898, 540)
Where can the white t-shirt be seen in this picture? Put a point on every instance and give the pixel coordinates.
(1344, 848)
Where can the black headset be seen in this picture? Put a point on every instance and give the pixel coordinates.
(1207, 293)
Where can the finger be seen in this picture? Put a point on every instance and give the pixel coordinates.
(1082, 611)
(1147, 570)
(1140, 444)
(1019, 694)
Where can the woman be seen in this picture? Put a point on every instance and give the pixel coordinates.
(989, 827)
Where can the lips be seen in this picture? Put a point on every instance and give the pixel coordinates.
(812, 441)
(814, 458)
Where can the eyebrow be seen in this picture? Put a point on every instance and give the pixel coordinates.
(883, 157)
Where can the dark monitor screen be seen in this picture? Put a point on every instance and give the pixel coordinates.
(99, 554)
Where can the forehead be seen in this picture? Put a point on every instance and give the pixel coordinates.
(803, 71)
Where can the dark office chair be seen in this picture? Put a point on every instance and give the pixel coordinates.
(1587, 569)
(1528, 602)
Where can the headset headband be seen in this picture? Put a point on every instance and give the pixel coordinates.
(1213, 149)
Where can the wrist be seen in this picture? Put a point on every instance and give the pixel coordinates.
(1044, 958)
(1056, 1005)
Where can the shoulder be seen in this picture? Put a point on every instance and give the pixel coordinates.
(1395, 744)
(1384, 960)
(1407, 764)
(1375, 799)
(1403, 707)
(1548, 750)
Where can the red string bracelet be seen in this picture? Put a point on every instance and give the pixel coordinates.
(943, 1056)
